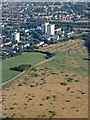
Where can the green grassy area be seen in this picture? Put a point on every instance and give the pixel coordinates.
(25, 58)
(69, 61)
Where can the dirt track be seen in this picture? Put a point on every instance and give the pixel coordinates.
(24, 71)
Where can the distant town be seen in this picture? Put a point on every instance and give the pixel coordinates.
(26, 26)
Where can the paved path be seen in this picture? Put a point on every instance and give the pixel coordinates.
(24, 71)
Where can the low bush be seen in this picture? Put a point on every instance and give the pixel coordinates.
(83, 93)
(53, 112)
(54, 73)
(72, 91)
(43, 116)
(77, 110)
(34, 69)
(48, 97)
(66, 75)
(77, 81)
(14, 103)
(32, 86)
(41, 83)
(41, 104)
(43, 74)
(34, 74)
(37, 84)
(20, 84)
(78, 97)
(24, 83)
(63, 83)
(67, 100)
(68, 88)
(12, 108)
(30, 98)
(69, 79)
(25, 104)
(54, 96)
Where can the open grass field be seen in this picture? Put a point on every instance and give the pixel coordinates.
(57, 88)
(25, 58)
(69, 56)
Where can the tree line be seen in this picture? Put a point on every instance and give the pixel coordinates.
(21, 68)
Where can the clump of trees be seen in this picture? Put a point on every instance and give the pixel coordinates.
(21, 68)
(49, 55)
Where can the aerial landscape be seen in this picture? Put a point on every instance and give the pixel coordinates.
(45, 54)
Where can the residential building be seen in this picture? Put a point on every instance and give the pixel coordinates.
(15, 36)
(51, 29)
(44, 27)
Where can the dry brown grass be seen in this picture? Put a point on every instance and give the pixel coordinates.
(32, 98)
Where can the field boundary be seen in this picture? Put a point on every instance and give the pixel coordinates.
(25, 71)
(12, 78)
